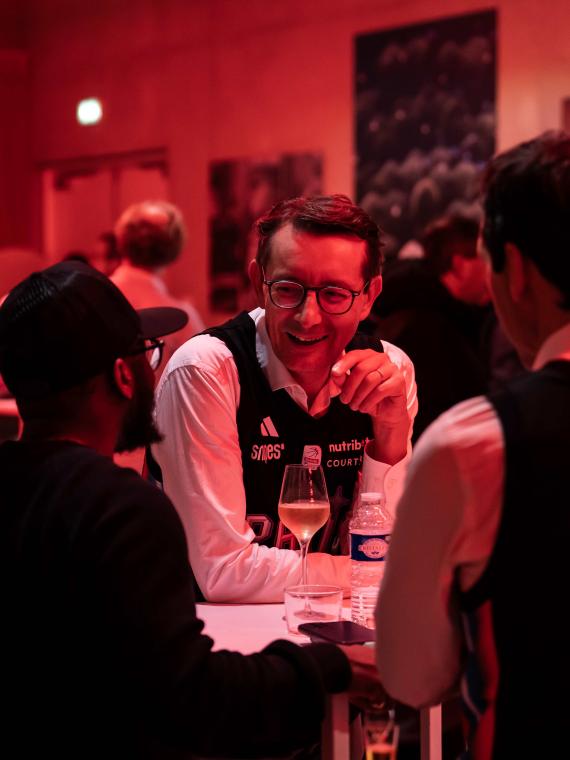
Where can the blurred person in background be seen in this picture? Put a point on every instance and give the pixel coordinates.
(291, 381)
(101, 653)
(488, 482)
(105, 255)
(15, 264)
(150, 237)
(437, 309)
(77, 255)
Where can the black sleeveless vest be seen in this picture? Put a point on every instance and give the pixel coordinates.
(516, 685)
(274, 431)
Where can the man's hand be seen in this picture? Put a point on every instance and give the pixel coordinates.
(365, 688)
(370, 383)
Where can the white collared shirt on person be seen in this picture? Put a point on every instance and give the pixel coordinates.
(447, 524)
(200, 458)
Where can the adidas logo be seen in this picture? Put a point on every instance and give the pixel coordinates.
(268, 429)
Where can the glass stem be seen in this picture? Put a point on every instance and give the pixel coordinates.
(304, 550)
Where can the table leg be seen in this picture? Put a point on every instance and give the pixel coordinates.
(335, 732)
(430, 733)
(335, 736)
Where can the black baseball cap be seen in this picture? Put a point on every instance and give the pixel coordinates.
(67, 323)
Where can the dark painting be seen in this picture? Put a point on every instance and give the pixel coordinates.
(241, 191)
(425, 121)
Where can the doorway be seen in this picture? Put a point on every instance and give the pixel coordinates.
(83, 198)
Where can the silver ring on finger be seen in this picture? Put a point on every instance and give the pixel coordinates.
(381, 374)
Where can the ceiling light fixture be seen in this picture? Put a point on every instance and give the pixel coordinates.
(89, 111)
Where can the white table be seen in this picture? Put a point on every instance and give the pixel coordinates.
(8, 407)
(10, 423)
(247, 628)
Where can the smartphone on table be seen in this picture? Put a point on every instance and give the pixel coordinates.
(337, 632)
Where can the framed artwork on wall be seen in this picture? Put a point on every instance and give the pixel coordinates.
(425, 121)
(242, 190)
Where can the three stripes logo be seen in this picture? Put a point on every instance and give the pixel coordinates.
(268, 429)
(266, 452)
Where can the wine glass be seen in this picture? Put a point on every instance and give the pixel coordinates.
(304, 505)
(381, 732)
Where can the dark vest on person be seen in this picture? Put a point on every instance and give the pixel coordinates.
(517, 680)
(274, 431)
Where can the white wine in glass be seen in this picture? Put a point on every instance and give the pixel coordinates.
(304, 505)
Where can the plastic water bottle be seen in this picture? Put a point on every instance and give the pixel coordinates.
(370, 533)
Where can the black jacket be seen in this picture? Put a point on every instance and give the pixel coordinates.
(101, 652)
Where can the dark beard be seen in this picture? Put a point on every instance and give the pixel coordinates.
(139, 428)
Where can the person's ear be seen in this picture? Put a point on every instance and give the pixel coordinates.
(370, 295)
(124, 378)
(516, 272)
(256, 278)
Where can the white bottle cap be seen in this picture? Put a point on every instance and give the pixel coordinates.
(371, 497)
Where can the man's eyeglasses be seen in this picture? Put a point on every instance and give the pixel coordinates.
(155, 346)
(287, 294)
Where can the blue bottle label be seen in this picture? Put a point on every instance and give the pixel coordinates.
(369, 548)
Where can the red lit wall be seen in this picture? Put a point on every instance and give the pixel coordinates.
(215, 79)
(15, 153)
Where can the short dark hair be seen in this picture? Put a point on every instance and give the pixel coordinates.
(146, 240)
(322, 215)
(441, 238)
(527, 203)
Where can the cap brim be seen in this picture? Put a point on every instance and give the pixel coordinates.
(161, 320)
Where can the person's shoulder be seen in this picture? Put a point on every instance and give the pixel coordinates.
(208, 352)
(202, 350)
(97, 480)
(203, 359)
(120, 479)
(117, 504)
(121, 489)
(118, 275)
(470, 429)
(125, 276)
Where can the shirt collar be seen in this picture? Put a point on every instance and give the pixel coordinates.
(277, 374)
(556, 346)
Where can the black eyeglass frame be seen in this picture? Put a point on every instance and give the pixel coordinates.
(317, 290)
(155, 344)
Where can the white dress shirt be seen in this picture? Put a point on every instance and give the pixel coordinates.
(200, 458)
(444, 535)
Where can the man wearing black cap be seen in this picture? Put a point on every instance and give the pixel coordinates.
(101, 652)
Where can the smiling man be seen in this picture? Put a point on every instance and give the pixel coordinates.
(290, 382)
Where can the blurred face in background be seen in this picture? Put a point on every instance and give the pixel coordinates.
(473, 287)
(467, 278)
(104, 257)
